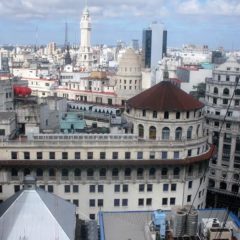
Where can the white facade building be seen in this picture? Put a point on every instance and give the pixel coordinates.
(223, 121)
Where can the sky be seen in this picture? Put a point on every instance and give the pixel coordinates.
(215, 23)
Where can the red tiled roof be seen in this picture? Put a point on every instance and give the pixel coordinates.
(165, 96)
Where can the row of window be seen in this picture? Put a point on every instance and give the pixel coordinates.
(166, 132)
(166, 114)
(225, 101)
(90, 155)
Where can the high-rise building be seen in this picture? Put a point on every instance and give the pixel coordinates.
(223, 127)
(154, 44)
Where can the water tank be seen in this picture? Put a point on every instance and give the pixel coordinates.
(192, 223)
(179, 221)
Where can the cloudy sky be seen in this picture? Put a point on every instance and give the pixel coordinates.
(212, 22)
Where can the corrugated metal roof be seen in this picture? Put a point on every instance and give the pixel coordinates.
(35, 214)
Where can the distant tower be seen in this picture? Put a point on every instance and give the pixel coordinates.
(66, 43)
(85, 52)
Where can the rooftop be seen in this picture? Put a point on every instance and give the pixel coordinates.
(165, 96)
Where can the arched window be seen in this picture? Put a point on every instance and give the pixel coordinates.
(176, 171)
(152, 132)
(223, 185)
(140, 131)
(127, 172)
(52, 172)
(103, 172)
(237, 92)
(39, 172)
(26, 171)
(211, 183)
(140, 172)
(178, 133)
(115, 172)
(152, 172)
(236, 176)
(77, 172)
(165, 133)
(164, 171)
(215, 90)
(226, 91)
(235, 188)
(14, 172)
(189, 133)
(90, 172)
(197, 132)
(64, 172)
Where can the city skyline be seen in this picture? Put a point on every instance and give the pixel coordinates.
(30, 22)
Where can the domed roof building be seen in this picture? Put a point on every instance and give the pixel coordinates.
(129, 77)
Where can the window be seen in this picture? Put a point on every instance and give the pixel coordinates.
(189, 184)
(152, 155)
(225, 101)
(26, 155)
(91, 202)
(165, 133)
(228, 125)
(39, 172)
(117, 188)
(176, 155)
(144, 113)
(149, 202)
(227, 78)
(102, 155)
(178, 114)
(141, 187)
(152, 133)
(188, 114)
(2, 132)
(149, 188)
(189, 133)
(75, 188)
(189, 197)
(0, 188)
(14, 155)
(139, 155)
(16, 188)
(92, 216)
(115, 155)
(189, 152)
(116, 202)
(39, 155)
(52, 155)
(124, 202)
(100, 188)
(67, 188)
(140, 131)
(75, 202)
(127, 155)
(90, 155)
(125, 188)
(214, 100)
(215, 90)
(42, 187)
(164, 154)
(178, 133)
(172, 201)
(165, 187)
(166, 115)
(77, 155)
(226, 91)
(236, 102)
(64, 155)
(115, 173)
(100, 202)
(92, 188)
(103, 172)
(164, 201)
(173, 187)
(50, 188)
(140, 202)
(154, 114)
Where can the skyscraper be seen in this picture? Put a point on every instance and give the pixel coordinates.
(154, 44)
